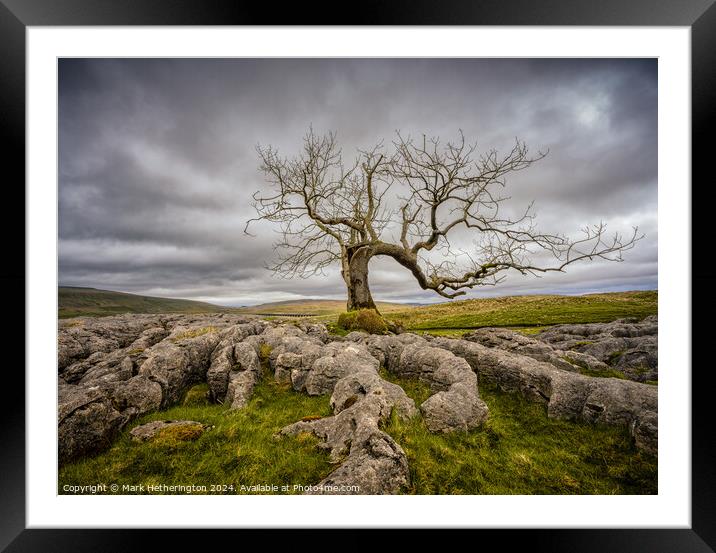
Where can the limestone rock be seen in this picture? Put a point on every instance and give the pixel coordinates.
(509, 340)
(87, 421)
(568, 395)
(627, 345)
(150, 430)
(338, 360)
(372, 463)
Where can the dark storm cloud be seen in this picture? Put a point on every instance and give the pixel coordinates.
(158, 160)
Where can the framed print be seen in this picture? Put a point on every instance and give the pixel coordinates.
(190, 153)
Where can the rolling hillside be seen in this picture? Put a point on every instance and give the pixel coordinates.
(528, 311)
(91, 302)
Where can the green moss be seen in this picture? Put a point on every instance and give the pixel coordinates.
(368, 320)
(175, 436)
(652, 382)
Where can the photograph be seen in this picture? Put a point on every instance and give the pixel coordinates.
(357, 276)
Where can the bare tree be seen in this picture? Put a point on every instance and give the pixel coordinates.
(330, 212)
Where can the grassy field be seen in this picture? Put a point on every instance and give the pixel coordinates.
(91, 302)
(527, 311)
(518, 451)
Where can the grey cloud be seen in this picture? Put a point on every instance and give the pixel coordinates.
(158, 161)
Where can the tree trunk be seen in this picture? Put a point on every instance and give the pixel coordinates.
(359, 296)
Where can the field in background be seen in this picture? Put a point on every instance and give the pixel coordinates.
(528, 314)
(528, 311)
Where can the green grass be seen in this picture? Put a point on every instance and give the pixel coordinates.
(240, 449)
(528, 311)
(91, 302)
(193, 333)
(520, 451)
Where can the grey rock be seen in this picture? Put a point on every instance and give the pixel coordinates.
(178, 364)
(567, 395)
(376, 465)
(150, 430)
(154, 361)
(459, 408)
(356, 386)
(87, 421)
(627, 345)
(456, 403)
(510, 340)
(241, 388)
(338, 360)
(137, 396)
(229, 356)
(372, 463)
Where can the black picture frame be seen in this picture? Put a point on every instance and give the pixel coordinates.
(16, 15)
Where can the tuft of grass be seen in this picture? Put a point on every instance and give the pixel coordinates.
(196, 395)
(264, 354)
(333, 328)
(193, 333)
(519, 450)
(363, 319)
(240, 450)
(614, 357)
(586, 370)
(417, 390)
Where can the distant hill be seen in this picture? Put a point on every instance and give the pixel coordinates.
(92, 302)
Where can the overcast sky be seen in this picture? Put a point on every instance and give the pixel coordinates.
(158, 162)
